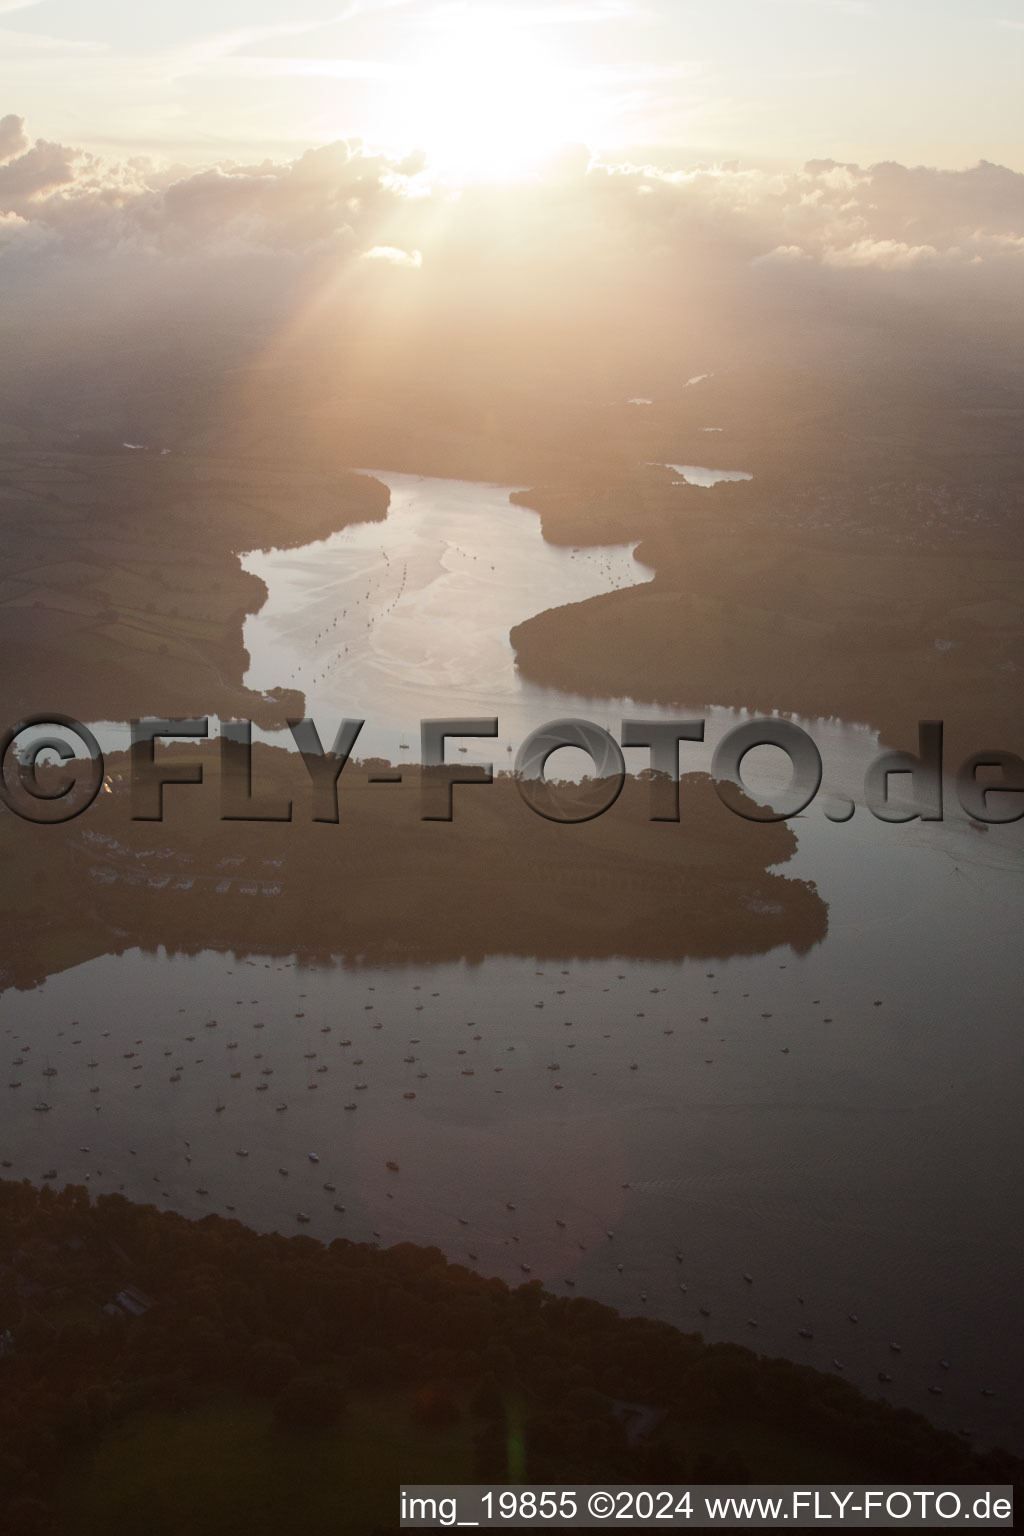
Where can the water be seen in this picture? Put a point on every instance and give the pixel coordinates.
(768, 1117)
(397, 621)
(409, 619)
(700, 474)
(843, 1125)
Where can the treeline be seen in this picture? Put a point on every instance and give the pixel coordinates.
(537, 1380)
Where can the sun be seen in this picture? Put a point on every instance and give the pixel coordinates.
(488, 100)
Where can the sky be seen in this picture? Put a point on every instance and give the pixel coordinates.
(492, 89)
(425, 188)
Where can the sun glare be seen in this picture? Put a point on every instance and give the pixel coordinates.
(488, 100)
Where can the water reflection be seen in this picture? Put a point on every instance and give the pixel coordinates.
(824, 1124)
(837, 1124)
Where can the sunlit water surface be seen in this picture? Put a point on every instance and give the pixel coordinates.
(842, 1126)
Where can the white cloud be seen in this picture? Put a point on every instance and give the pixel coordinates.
(850, 7)
(29, 44)
(12, 137)
(888, 217)
(342, 260)
(370, 8)
(510, 13)
(392, 254)
(261, 66)
(570, 12)
(782, 255)
(887, 255)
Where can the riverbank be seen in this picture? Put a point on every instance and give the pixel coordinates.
(123, 594)
(745, 609)
(383, 886)
(145, 1349)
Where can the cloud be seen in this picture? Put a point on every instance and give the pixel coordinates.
(12, 136)
(556, 12)
(43, 168)
(782, 255)
(830, 212)
(370, 8)
(221, 46)
(27, 45)
(849, 7)
(887, 255)
(265, 66)
(837, 215)
(392, 254)
(359, 261)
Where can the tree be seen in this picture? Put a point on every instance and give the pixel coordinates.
(435, 1404)
(269, 1367)
(29, 1517)
(313, 1400)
